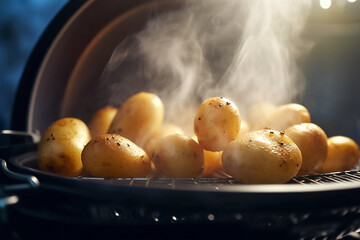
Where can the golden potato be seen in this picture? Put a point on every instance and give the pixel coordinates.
(139, 118)
(60, 146)
(312, 142)
(165, 130)
(217, 123)
(244, 128)
(212, 162)
(343, 154)
(113, 156)
(179, 156)
(263, 156)
(257, 113)
(101, 120)
(285, 116)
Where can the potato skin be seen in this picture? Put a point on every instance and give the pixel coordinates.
(285, 116)
(139, 118)
(343, 154)
(60, 147)
(113, 156)
(179, 156)
(212, 162)
(262, 157)
(101, 120)
(312, 141)
(217, 123)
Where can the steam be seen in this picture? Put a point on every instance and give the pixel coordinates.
(244, 50)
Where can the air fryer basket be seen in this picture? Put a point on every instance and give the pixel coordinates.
(59, 80)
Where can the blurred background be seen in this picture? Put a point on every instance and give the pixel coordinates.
(21, 24)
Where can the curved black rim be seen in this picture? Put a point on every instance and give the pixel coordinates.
(20, 109)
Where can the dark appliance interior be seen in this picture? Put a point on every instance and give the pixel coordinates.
(37, 204)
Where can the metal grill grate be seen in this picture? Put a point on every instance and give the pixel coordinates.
(172, 183)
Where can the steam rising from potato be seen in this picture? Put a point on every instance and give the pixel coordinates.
(312, 142)
(113, 156)
(179, 156)
(343, 154)
(139, 118)
(263, 156)
(285, 116)
(60, 146)
(217, 123)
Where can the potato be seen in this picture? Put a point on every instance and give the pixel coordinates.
(285, 116)
(217, 123)
(263, 156)
(139, 118)
(113, 156)
(165, 130)
(343, 154)
(101, 120)
(60, 146)
(179, 156)
(244, 128)
(257, 113)
(312, 142)
(212, 162)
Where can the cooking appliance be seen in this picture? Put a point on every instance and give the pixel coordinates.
(82, 40)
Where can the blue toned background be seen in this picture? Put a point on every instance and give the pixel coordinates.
(21, 24)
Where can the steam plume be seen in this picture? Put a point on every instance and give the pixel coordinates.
(245, 50)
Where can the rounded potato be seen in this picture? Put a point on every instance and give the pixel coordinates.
(343, 154)
(285, 116)
(217, 123)
(60, 146)
(312, 142)
(263, 156)
(165, 130)
(113, 156)
(139, 118)
(179, 156)
(101, 120)
(244, 128)
(212, 162)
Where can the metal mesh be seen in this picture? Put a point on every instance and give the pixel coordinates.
(172, 183)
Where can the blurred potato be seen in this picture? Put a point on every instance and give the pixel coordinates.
(165, 130)
(212, 162)
(178, 156)
(60, 147)
(285, 116)
(312, 142)
(262, 157)
(244, 128)
(343, 154)
(257, 113)
(113, 156)
(139, 118)
(217, 123)
(101, 120)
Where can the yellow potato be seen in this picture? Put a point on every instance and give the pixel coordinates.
(263, 156)
(257, 113)
(101, 120)
(179, 156)
(343, 154)
(60, 146)
(312, 141)
(212, 162)
(165, 130)
(113, 156)
(285, 116)
(244, 127)
(139, 118)
(217, 123)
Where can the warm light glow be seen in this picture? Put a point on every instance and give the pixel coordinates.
(351, 1)
(325, 4)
